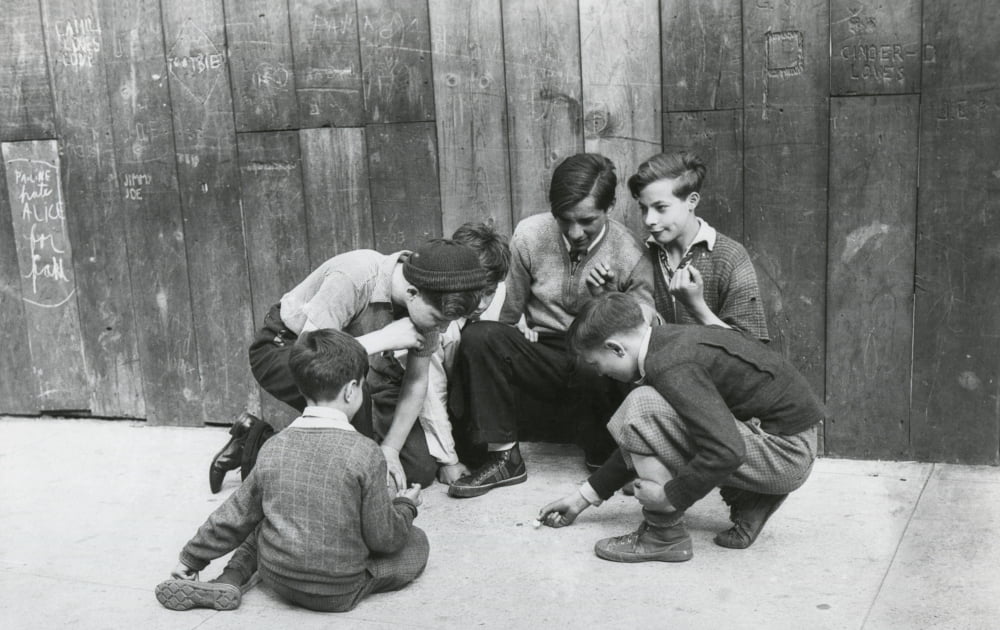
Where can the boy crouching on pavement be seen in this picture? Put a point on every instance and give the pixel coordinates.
(313, 517)
(742, 419)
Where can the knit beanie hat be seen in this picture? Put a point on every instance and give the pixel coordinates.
(446, 266)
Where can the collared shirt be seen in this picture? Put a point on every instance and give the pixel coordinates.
(314, 417)
(643, 351)
(706, 234)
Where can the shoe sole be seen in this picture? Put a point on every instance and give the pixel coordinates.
(670, 556)
(465, 492)
(188, 594)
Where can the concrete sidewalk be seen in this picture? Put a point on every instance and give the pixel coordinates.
(93, 514)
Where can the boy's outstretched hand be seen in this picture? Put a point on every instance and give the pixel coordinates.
(412, 493)
(183, 572)
(394, 467)
(564, 511)
(450, 473)
(600, 279)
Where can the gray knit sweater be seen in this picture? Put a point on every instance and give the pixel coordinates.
(319, 495)
(545, 286)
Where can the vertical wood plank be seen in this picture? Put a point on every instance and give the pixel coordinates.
(93, 205)
(874, 47)
(396, 60)
(338, 202)
(147, 185)
(48, 285)
(471, 113)
(786, 121)
(621, 92)
(260, 57)
(274, 211)
(204, 137)
(544, 112)
(327, 63)
(717, 137)
(25, 98)
(873, 203)
(702, 54)
(956, 375)
(406, 200)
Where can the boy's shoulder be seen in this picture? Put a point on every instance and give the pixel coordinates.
(347, 448)
(535, 224)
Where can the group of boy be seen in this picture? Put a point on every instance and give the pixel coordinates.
(380, 354)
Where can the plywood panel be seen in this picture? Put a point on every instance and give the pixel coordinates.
(873, 203)
(94, 212)
(327, 63)
(471, 113)
(702, 53)
(25, 99)
(207, 175)
(147, 185)
(338, 202)
(396, 60)
(57, 371)
(786, 120)
(717, 137)
(260, 58)
(544, 111)
(875, 47)
(406, 201)
(621, 92)
(956, 375)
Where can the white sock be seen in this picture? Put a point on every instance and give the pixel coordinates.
(495, 447)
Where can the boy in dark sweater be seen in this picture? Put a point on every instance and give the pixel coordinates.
(745, 419)
(314, 517)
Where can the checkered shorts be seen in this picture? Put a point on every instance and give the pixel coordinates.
(646, 424)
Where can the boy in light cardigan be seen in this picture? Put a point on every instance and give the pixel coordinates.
(313, 518)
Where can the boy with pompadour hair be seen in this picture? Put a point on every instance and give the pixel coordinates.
(745, 419)
(313, 517)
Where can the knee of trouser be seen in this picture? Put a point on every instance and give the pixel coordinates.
(482, 337)
(420, 545)
(423, 472)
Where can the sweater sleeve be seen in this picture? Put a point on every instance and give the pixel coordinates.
(227, 527)
(740, 305)
(518, 283)
(385, 522)
(639, 283)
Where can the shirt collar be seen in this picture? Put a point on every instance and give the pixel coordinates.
(643, 351)
(593, 243)
(382, 292)
(322, 418)
(706, 234)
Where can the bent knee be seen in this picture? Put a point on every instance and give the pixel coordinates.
(480, 337)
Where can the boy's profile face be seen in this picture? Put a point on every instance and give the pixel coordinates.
(582, 223)
(485, 300)
(425, 316)
(666, 216)
(613, 361)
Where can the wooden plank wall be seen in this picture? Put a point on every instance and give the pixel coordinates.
(209, 153)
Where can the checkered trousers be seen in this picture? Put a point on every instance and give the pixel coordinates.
(647, 425)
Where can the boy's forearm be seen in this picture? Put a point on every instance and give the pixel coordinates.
(373, 342)
(411, 398)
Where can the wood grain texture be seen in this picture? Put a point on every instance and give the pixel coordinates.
(717, 138)
(147, 185)
(875, 47)
(396, 61)
(57, 371)
(94, 211)
(471, 113)
(621, 91)
(338, 201)
(873, 206)
(956, 375)
(208, 179)
(702, 54)
(544, 111)
(25, 98)
(327, 63)
(406, 200)
(261, 67)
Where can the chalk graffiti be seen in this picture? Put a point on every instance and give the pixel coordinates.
(876, 62)
(132, 184)
(196, 63)
(78, 41)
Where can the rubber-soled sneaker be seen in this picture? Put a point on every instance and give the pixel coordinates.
(188, 594)
(504, 468)
(749, 512)
(647, 544)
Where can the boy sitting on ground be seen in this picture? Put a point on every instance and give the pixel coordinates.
(313, 517)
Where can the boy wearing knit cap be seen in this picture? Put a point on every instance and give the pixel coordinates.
(388, 302)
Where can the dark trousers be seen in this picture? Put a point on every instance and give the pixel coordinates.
(497, 372)
(269, 365)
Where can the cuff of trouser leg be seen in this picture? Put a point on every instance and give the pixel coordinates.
(663, 519)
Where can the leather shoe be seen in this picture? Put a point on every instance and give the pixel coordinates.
(749, 512)
(231, 455)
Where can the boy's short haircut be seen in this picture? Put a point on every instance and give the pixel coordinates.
(448, 275)
(684, 166)
(602, 318)
(581, 176)
(490, 245)
(323, 361)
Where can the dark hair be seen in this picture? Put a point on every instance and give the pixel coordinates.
(580, 176)
(323, 361)
(490, 245)
(684, 166)
(452, 304)
(602, 318)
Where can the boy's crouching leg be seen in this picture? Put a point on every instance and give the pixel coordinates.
(661, 537)
(188, 594)
(749, 512)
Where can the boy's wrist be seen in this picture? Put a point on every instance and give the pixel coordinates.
(588, 494)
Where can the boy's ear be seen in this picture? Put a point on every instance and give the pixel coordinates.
(693, 200)
(412, 291)
(351, 390)
(615, 347)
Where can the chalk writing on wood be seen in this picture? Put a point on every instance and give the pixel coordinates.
(78, 42)
(192, 57)
(25, 95)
